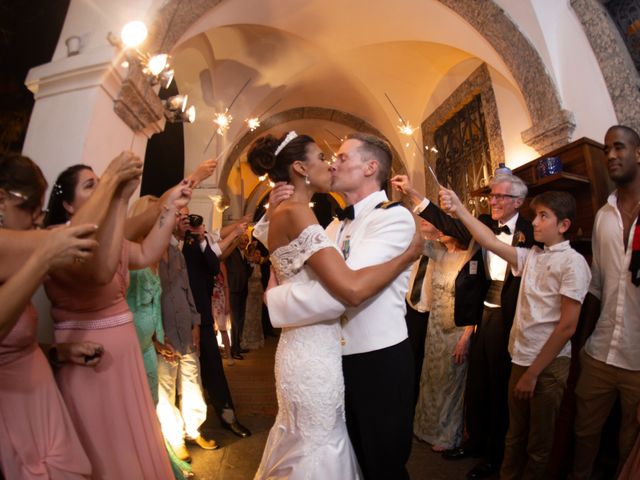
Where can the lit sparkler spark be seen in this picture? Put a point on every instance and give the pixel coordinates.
(223, 120)
(253, 123)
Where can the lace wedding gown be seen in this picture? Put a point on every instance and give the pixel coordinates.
(309, 439)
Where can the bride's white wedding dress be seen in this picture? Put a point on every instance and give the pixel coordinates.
(309, 438)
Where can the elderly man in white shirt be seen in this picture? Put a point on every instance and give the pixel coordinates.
(610, 360)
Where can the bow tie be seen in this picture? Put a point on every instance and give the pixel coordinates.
(503, 229)
(345, 213)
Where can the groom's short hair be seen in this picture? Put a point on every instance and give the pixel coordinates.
(376, 148)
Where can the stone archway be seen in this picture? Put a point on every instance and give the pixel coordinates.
(302, 113)
(551, 125)
(618, 70)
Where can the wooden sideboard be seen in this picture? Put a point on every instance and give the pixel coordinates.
(584, 175)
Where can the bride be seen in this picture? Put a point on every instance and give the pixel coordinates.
(309, 439)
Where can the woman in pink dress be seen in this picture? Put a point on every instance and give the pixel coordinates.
(110, 405)
(37, 437)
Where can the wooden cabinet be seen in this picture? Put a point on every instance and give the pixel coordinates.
(584, 175)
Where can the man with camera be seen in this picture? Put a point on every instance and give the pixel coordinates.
(178, 358)
(201, 257)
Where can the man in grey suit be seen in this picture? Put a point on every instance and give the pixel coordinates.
(178, 358)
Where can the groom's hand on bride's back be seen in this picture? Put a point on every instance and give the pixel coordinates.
(273, 282)
(280, 192)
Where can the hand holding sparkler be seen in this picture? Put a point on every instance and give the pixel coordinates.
(449, 201)
(402, 184)
(204, 171)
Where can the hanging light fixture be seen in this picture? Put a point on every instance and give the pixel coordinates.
(175, 109)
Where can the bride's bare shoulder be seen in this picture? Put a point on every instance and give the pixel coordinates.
(292, 217)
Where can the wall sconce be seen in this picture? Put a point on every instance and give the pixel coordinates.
(73, 44)
(136, 104)
(175, 109)
(156, 68)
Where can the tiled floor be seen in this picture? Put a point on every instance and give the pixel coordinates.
(252, 386)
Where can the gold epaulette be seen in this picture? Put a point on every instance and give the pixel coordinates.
(389, 204)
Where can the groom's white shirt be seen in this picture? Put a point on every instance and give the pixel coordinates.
(375, 236)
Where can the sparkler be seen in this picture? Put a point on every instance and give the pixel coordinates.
(254, 122)
(428, 164)
(224, 119)
(334, 135)
(407, 129)
(334, 155)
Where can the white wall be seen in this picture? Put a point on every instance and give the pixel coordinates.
(557, 34)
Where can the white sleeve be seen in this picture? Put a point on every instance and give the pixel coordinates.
(421, 206)
(521, 254)
(595, 287)
(261, 231)
(387, 236)
(216, 249)
(298, 304)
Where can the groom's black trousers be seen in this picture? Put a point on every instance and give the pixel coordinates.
(379, 408)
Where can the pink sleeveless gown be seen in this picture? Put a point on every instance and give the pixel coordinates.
(37, 438)
(110, 404)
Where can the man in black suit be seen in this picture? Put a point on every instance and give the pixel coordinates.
(486, 411)
(202, 266)
(238, 273)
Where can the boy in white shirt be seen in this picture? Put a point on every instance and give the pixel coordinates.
(555, 281)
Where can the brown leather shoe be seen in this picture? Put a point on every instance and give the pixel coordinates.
(204, 443)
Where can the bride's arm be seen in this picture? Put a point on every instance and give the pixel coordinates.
(352, 287)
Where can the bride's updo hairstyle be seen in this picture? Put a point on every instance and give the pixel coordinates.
(263, 159)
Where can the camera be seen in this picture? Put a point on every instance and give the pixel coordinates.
(195, 220)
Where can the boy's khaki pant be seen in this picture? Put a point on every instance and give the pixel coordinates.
(532, 422)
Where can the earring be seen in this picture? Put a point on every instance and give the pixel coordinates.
(306, 180)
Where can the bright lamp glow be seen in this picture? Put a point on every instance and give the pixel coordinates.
(191, 114)
(133, 33)
(157, 64)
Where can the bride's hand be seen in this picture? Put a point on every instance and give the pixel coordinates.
(280, 192)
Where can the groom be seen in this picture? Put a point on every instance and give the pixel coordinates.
(377, 360)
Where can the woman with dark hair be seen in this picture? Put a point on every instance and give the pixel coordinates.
(110, 405)
(64, 192)
(37, 437)
(309, 438)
